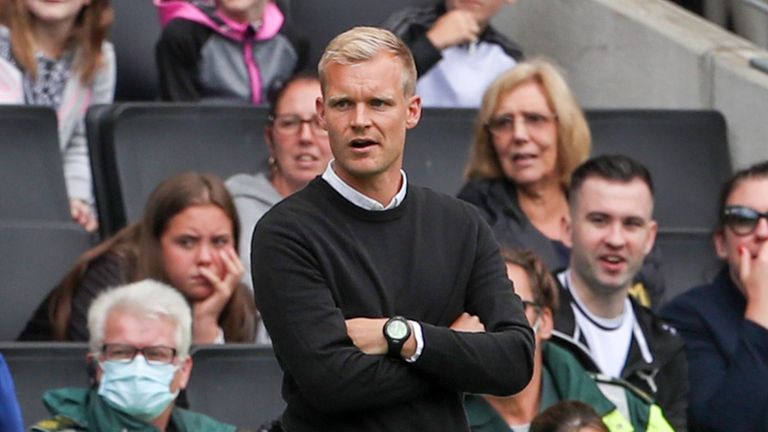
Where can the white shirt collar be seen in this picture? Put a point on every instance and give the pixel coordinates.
(357, 198)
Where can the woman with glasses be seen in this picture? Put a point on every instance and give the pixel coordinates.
(186, 238)
(299, 151)
(530, 134)
(725, 324)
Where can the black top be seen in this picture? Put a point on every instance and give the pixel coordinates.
(318, 259)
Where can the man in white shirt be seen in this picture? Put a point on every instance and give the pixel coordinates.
(611, 230)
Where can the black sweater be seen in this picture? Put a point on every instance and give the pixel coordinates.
(318, 259)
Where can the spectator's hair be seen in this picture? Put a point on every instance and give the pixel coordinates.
(277, 92)
(88, 35)
(618, 168)
(573, 137)
(138, 247)
(145, 300)
(361, 44)
(754, 172)
(568, 416)
(541, 280)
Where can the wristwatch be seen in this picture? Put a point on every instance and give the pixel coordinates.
(397, 330)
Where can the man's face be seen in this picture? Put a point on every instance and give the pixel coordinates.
(366, 113)
(126, 329)
(481, 10)
(611, 231)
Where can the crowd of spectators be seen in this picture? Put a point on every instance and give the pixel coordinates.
(577, 235)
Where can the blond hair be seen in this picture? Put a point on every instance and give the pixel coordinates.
(573, 137)
(361, 44)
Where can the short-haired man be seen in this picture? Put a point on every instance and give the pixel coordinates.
(457, 51)
(139, 339)
(360, 274)
(611, 231)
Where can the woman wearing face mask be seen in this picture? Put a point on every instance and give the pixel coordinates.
(557, 375)
(186, 238)
(140, 353)
(299, 152)
(529, 136)
(55, 54)
(725, 323)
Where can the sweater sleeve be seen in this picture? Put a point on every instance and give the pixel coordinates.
(76, 162)
(727, 392)
(177, 55)
(499, 361)
(410, 25)
(309, 332)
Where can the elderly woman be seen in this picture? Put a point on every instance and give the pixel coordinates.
(529, 136)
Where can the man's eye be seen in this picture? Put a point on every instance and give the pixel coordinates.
(341, 104)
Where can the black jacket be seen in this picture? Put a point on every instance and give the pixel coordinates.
(665, 379)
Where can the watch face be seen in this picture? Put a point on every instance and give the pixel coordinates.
(397, 329)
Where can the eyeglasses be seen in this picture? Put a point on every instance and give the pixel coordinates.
(742, 220)
(290, 124)
(154, 355)
(505, 124)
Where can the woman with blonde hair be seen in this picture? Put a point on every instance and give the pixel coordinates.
(55, 54)
(529, 137)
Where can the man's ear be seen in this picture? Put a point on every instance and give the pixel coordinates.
(653, 230)
(566, 227)
(183, 374)
(414, 112)
(547, 323)
(320, 108)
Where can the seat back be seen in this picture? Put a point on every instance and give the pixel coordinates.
(686, 152)
(134, 32)
(35, 257)
(688, 258)
(32, 183)
(40, 366)
(236, 383)
(437, 149)
(143, 144)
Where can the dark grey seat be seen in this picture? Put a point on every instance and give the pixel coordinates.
(685, 150)
(689, 259)
(437, 149)
(236, 383)
(31, 175)
(134, 32)
(35, 257)
(40, 366)
(144, 143)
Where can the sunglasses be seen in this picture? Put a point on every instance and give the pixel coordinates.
(742, 220)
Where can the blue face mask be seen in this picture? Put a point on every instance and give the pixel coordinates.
(137, 388)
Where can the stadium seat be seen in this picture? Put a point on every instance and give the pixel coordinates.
(35, 257)
(40, 366)
(437, 149)
(32, 183)
(135, 31)
(685, 150)
(144, 143)
(236, 383)
(689, 259)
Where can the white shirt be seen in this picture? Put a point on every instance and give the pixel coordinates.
(460, 78)
(367, 203)
(608, 339)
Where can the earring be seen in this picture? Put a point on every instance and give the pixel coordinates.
(272, 162)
